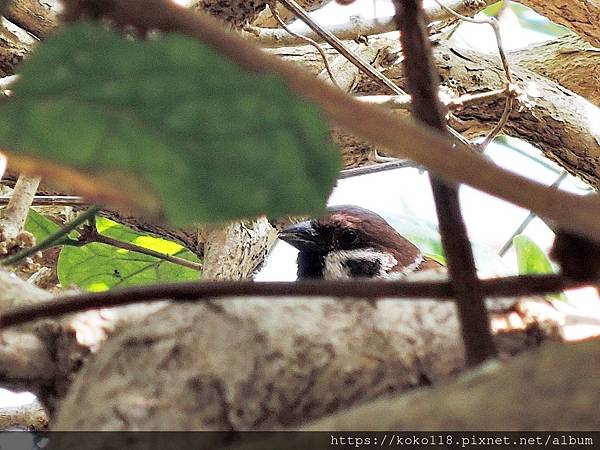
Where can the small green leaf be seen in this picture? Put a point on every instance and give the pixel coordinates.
(40, 226)
(532, 260)
(98, 267)
(173, 124)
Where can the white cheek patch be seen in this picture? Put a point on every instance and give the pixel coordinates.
(414, 266)
(336, 266)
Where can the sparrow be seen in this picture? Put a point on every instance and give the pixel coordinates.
(352, 242)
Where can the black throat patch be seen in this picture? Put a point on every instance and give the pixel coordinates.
(310, 265)
(363, 267)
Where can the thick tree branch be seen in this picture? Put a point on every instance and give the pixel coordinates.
(581, 16)
(15, 43)
(366, 27)
(568, 61)
(237, 250)
(554, 388)
(254, 363)
(561, 123)
(38, 17)
(42, 358)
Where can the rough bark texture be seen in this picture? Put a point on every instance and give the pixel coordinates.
(24, 418)
(582, 16)
(556, 120)
(37, 17)
(259, 364)
(236, 251)
(437, 17)
(42, 357)
(15, 43)
(267, 363)
(554, 388)
(568, 61)
(235, 13)
(552, 118)
(266, 19)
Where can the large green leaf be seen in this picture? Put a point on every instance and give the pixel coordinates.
(172, 120)
(98, 267)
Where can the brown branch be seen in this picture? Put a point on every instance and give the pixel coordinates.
(397, 137)
(51, 200)
(402, 102)
(376, 168)
(423, 85)
(566, 60)
(209, 290)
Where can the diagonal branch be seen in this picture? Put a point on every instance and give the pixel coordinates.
(336, 43)
(400, 138)
(356, 27)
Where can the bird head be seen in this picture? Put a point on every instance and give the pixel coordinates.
(351, 242)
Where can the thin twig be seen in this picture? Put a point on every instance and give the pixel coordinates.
(422, 81)
(51, 200)
(508, 106)
(208, 290)
(493, 22)
(474, 99)
(283, 25)
(332, 40)
(90, 234)
(376, 168)
(52, 240)
(508, 244)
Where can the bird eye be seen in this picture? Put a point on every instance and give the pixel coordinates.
(348, 237)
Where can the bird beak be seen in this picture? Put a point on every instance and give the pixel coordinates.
(303, 236)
